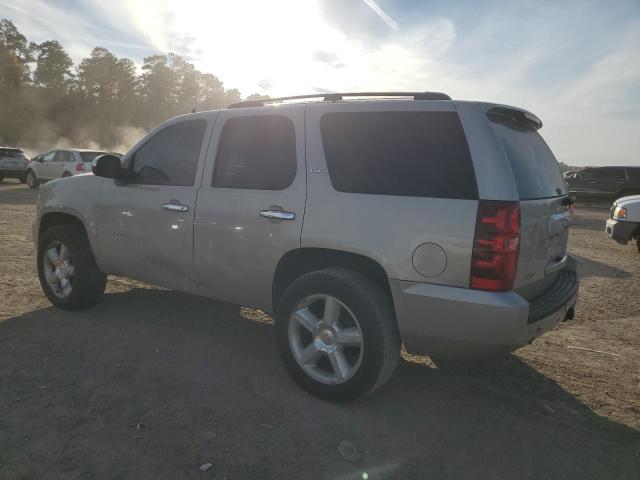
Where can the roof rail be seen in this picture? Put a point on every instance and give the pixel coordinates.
(334, 97)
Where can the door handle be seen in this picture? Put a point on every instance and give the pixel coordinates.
(175, 206)
(278, 214)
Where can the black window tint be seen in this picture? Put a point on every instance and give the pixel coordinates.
(171, 156)
(611, 173)
(256, 152)
(90, 156)
(60, 156)
(422, 154)
(633, 173)
(536, 170)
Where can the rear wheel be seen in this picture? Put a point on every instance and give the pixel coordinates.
(23, 179)
(67, 270)
(336, 334)
(66, 174)
(32, 180)
(1, 178)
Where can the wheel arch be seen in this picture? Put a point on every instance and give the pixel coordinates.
(300, 261)
(53, 219)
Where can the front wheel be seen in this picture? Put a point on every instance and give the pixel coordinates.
(67, 270)
(336, 334)
(32, 180)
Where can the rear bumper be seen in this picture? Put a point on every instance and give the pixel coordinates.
(455, 322)
(619, 231)
(13, 173)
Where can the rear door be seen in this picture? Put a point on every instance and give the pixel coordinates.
(145, 227)
(544, 205)
(251, 204)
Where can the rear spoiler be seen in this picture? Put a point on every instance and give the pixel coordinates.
(517, 115)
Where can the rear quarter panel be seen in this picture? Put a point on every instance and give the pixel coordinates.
(385, 228)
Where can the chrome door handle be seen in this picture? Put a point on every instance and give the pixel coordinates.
(278, 214)
(175, 206)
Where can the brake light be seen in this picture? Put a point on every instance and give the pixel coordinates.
(495, 246)
(80, 167)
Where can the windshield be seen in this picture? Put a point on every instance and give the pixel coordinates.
(90, 156)
(535, 168)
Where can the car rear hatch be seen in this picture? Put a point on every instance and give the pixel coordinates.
(545, 207)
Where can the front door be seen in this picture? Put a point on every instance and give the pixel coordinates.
(44, 168)
(251, 203)
(146, 225)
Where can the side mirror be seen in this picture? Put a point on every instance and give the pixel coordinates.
(107, 166)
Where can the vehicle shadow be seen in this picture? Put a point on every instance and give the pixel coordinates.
(592, 268)
(153, 383)
(18, 196)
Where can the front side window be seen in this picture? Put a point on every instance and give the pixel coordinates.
(257, 152)
(420, 154)
(171, 156)
(49, 157)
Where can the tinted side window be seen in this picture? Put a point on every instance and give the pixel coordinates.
(60, 156)
(611, 173)
(171, 156)
(633, 173)
(49, 157)
(423, 154)
(256, 152)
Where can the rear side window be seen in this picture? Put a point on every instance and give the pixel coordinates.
(257, 152)
(90, 156)
(171, 156)
(535, 168)
(422, 154)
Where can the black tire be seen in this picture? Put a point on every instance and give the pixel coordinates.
(32, 180)
(23, 180)
(375, 315)
(88, 282)
(1, 178)
(66, 174)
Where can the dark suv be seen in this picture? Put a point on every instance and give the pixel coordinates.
(606, 183)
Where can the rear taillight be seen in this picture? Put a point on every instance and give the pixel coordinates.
(80, 167)
(496, 245)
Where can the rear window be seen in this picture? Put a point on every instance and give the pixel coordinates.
(536, 170)
(12, 152)
(422, 154)
(90, 156)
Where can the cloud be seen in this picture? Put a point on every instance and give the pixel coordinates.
(329, 58)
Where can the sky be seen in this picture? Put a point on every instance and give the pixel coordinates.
(574, 64)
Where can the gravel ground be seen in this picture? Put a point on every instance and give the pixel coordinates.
(153, 384)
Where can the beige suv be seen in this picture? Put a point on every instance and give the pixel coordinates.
(360, 224)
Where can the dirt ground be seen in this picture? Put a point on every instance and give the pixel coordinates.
(153, 384)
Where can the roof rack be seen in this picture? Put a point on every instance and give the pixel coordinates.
(334, 97)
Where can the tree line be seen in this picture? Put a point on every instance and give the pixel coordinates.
(47, 101)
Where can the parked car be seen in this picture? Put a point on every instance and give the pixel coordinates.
(604, 183)
(58, 164)
(13, 164)
(360, 225)
(623, 224)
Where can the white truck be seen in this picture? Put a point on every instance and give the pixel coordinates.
(623, 224)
